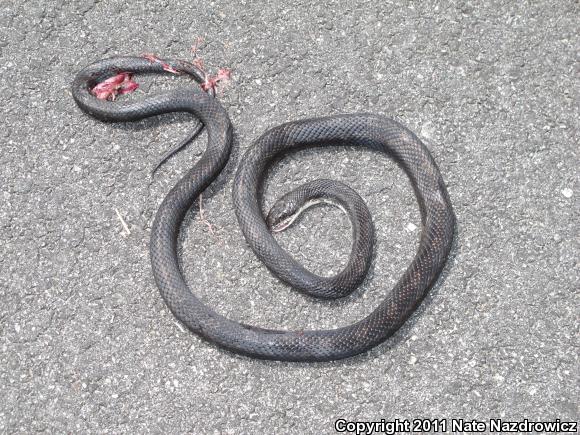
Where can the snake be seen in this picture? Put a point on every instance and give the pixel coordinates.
(365, 130)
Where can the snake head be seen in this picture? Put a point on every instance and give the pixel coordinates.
(282, 214)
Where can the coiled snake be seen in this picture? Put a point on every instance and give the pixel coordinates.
(365, 130)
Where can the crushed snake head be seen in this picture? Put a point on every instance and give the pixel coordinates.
(119, 84)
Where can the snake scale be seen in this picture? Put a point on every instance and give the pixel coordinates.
(376, 132)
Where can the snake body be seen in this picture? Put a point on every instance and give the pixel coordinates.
(290, 206)
(365, 130)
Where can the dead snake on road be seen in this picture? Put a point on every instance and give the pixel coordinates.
(372, 131)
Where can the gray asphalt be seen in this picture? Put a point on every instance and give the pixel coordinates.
(492, 87)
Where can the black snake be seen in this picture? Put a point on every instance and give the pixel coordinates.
(371, 131)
